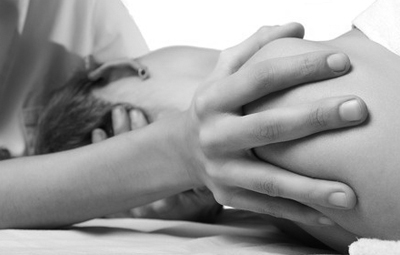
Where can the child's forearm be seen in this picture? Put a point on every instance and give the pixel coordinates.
(74, 186)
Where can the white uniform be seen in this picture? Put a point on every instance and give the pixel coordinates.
(43, 42)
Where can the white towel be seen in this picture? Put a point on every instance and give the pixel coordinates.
(367, 246)
(381, 23)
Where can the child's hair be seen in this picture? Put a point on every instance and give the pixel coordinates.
(71, 115)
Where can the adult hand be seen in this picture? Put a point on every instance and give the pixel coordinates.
(219, 139)
(195, 205)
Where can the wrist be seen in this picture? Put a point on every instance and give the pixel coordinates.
(165, 148)
(184, 143)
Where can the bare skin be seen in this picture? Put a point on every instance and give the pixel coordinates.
(175, 75)
(171, 156)
(358, 157)
(363, 157)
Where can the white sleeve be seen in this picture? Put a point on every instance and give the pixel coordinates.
(56, 36)
(116, 34)
(44, 42)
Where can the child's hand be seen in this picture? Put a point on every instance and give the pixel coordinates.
(123, 120)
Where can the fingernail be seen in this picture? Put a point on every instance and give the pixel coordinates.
(350, 111)
(325, 221)
(339, 199)
(338, 62)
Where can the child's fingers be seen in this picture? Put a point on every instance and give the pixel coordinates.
(120, 120)
(138, 119)
(98, 135)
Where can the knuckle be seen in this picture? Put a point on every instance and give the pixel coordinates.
(209, 142)
(215, 137)
(266, 34)
(308, 68)
(264, 30)
(213, 175)
(263, 76)
(228, 60)
(268, 186)
(269, 133)
(318, 118)
(225, 55)
(201, 105)
(217, 174)
(311, 197)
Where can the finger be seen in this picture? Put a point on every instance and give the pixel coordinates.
(160, 209)
(98, 135)
(285, 124)
(204, 194)
(137, 118)
(199, 205)
(260, 79)
(233, 58)
(202, 191)
(120, 120)
(276, 182)
(146, 211)
(276, 207)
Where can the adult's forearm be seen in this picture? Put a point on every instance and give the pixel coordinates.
(77, 185)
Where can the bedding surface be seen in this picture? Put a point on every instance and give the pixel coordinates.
(236, 232)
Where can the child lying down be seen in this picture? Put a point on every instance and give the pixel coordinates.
(350, 155)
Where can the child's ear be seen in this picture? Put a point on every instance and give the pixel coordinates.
(118, 69)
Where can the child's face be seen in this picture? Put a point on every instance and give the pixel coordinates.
(175, 74)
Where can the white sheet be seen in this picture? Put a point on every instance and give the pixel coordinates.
(238, 233)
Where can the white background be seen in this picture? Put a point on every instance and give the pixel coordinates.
(223, 23)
